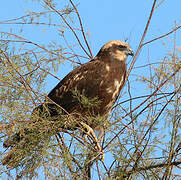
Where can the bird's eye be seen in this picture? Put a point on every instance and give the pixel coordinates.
(122, 47)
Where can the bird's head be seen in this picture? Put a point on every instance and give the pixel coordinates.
(116, 49)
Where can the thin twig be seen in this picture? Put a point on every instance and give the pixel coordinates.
(161, 85)
(70, 27)
(161, 165)
(82, 29)
(164, 35)
(143, 36)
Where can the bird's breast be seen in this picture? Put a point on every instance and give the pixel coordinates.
(110, 85)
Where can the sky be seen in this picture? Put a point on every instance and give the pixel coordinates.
(105, 20)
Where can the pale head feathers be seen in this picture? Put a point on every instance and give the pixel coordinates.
(114, 42)
(116, 49)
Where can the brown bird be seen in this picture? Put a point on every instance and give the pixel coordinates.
(88, 91)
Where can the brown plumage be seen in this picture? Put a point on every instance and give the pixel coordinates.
(101, 78)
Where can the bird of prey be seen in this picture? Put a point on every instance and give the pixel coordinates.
(100, 79)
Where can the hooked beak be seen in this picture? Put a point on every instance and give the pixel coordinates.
(129, 52)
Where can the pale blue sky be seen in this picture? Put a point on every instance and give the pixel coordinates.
(105, 20)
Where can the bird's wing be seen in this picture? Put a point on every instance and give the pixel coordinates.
(86, 79)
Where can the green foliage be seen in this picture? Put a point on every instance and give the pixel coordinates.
(84, 101)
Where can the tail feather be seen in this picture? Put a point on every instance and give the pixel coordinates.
(46, 121)
(11, 141)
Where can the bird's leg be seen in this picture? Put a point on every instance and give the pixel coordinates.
(89, 131)
(92, 133)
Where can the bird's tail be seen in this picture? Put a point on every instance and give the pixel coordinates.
(39, 128)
